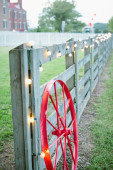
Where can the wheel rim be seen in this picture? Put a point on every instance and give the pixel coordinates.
(62, 130)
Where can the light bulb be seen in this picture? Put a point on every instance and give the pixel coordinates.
(42, 155)
(30, 119)
(49, 53)
(30, 43)
(70, 55)
(28, 81)
(40, 69)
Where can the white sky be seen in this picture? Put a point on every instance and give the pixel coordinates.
(102, 8)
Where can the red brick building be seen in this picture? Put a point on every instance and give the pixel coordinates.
(12, 16)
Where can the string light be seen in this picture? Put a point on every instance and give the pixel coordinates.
(58, 54)
(43, 154)
(30, 119)
(41, 69)
(67, 47)
(49, 53)
(75, 45)
(28, 81)
(70, 55)
(30, 43)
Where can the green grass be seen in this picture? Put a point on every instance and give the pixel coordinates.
(6, 130)
(102, 128)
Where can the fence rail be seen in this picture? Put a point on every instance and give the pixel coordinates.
(26, 97)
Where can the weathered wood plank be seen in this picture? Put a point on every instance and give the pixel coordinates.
(100, 57)
(84, 92)
(91, 68)
(95, 52)
(83, 80)
(83, 61)
(64, 49)
(66, 75)
(95, 65)
(17, 108)
(95, 73)
(84, 104)
(95, 82)
(26, 114)
(69, 61)
(77, 81)
(96, 55)
(35, 94)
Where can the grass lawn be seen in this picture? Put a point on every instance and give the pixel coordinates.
(6, 130)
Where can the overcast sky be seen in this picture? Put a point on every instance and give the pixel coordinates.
(102, 8)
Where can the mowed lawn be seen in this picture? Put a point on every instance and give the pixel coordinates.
(6, 130)
(50, 70)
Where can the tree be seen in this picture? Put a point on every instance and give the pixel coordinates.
(110, 24)
(101, 27)
(60, 10)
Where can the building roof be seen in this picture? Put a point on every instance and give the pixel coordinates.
(15, 6)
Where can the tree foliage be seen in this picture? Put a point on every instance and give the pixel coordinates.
(110, 24)
(60, 10)
(101, 27)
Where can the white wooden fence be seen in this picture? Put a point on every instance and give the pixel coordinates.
(13, 39)
(26, 98)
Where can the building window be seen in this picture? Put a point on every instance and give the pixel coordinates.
(4, 24)
(9, 13)
(4, 10)
(15, 25)
(3, 1)
(20, 25)
(20, 15)
(15, 14)
(24, 25)
(10, 25)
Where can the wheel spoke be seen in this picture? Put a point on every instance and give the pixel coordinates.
(56, 156)
(51, 124)
(56, 140)
(56, 103)
(64, 106)
(71, 149)
(72, 123)
(67, 105)
(58, 115)
(64, 155)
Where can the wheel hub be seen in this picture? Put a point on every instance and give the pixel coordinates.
(63, 132)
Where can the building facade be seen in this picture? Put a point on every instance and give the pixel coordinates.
(12, 16)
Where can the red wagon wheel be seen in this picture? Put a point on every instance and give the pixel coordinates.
(62, 131)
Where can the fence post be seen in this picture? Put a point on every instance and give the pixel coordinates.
(17, 108)
(87, 65)
(91, 68)
(35, 97)
(20, 107)
(25, 75)
(77, 82)
(69, 60)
